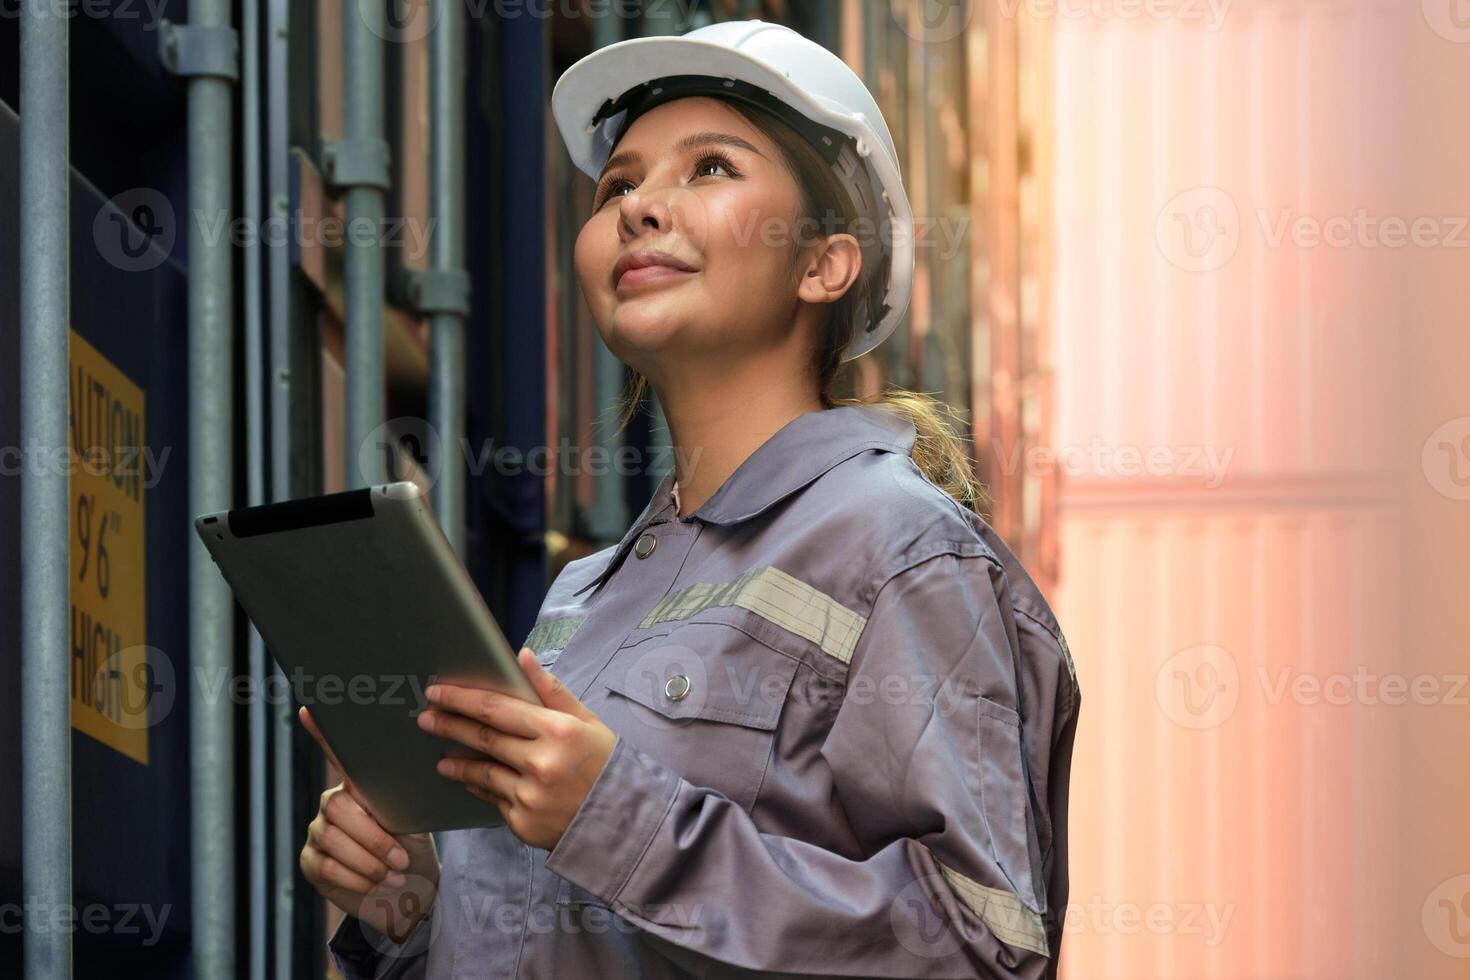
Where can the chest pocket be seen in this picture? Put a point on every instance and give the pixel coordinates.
(703, 698)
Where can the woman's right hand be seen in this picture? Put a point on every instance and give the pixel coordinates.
(388, 881)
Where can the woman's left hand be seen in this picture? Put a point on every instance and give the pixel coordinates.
(543, 758)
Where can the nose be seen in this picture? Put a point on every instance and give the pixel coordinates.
(643, 212)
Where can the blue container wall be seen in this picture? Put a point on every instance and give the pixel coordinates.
(128, 131)
(130, 821)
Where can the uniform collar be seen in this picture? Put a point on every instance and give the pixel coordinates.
(799, 452)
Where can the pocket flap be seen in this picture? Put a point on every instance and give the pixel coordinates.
(699, 677)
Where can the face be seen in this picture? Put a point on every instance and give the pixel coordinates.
(690, 248)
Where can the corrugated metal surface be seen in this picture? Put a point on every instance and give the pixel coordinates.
(1227, 822)
(1275, 117)
(1235, 578)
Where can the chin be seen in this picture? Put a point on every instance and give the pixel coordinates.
(644, 326)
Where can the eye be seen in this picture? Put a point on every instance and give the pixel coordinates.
(609, 190)
(612, 186)
(718, 160)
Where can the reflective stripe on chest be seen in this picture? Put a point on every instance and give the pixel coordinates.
(773, 595)
(554, 633)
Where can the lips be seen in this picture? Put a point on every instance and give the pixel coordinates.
(647, 265)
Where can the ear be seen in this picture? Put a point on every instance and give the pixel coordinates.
(832, 269)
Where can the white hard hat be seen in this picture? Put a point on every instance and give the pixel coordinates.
(770, 65)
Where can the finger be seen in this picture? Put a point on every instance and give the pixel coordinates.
(490, 776)
(333, 872)
(309, 723)
(499, 711)
(419, 848)
(348, 814)
(553, 693)
(335, 842)
(510, 749)
(499, 803)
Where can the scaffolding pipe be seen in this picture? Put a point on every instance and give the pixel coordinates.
(211, 306)
(609, 517)
(360, 165)
(447, 260)
(278, 274)
(254, 463)
(45, 223)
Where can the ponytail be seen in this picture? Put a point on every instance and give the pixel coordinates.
(939, 451)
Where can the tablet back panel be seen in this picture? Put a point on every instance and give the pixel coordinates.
(363, 603)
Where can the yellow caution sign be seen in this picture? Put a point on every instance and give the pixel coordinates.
(111, 685)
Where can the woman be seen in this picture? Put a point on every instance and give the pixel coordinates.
(810, 716)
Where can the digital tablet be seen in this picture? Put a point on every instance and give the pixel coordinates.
(364, 604)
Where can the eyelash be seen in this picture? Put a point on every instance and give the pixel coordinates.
(609, 184)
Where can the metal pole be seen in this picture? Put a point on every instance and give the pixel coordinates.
(278, 258)
(45, 312)
(446, 209)
(361, 167)
(254, 461)
(609, 516)
(211, 307)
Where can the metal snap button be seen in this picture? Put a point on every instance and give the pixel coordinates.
(676, 688)
(645, 545)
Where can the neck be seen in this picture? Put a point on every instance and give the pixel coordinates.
(718, 418)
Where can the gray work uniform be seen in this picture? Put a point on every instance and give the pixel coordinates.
(845, 718)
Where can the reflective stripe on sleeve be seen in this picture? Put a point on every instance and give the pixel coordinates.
(1011, 921)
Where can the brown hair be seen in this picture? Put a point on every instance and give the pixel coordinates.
(939, 451)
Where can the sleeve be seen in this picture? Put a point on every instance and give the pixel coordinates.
(362, 952)
(947, 885)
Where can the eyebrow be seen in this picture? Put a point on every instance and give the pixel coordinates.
(685, 145)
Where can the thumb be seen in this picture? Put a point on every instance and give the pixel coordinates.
(549, 688)
(309, 723)
(418, 847)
